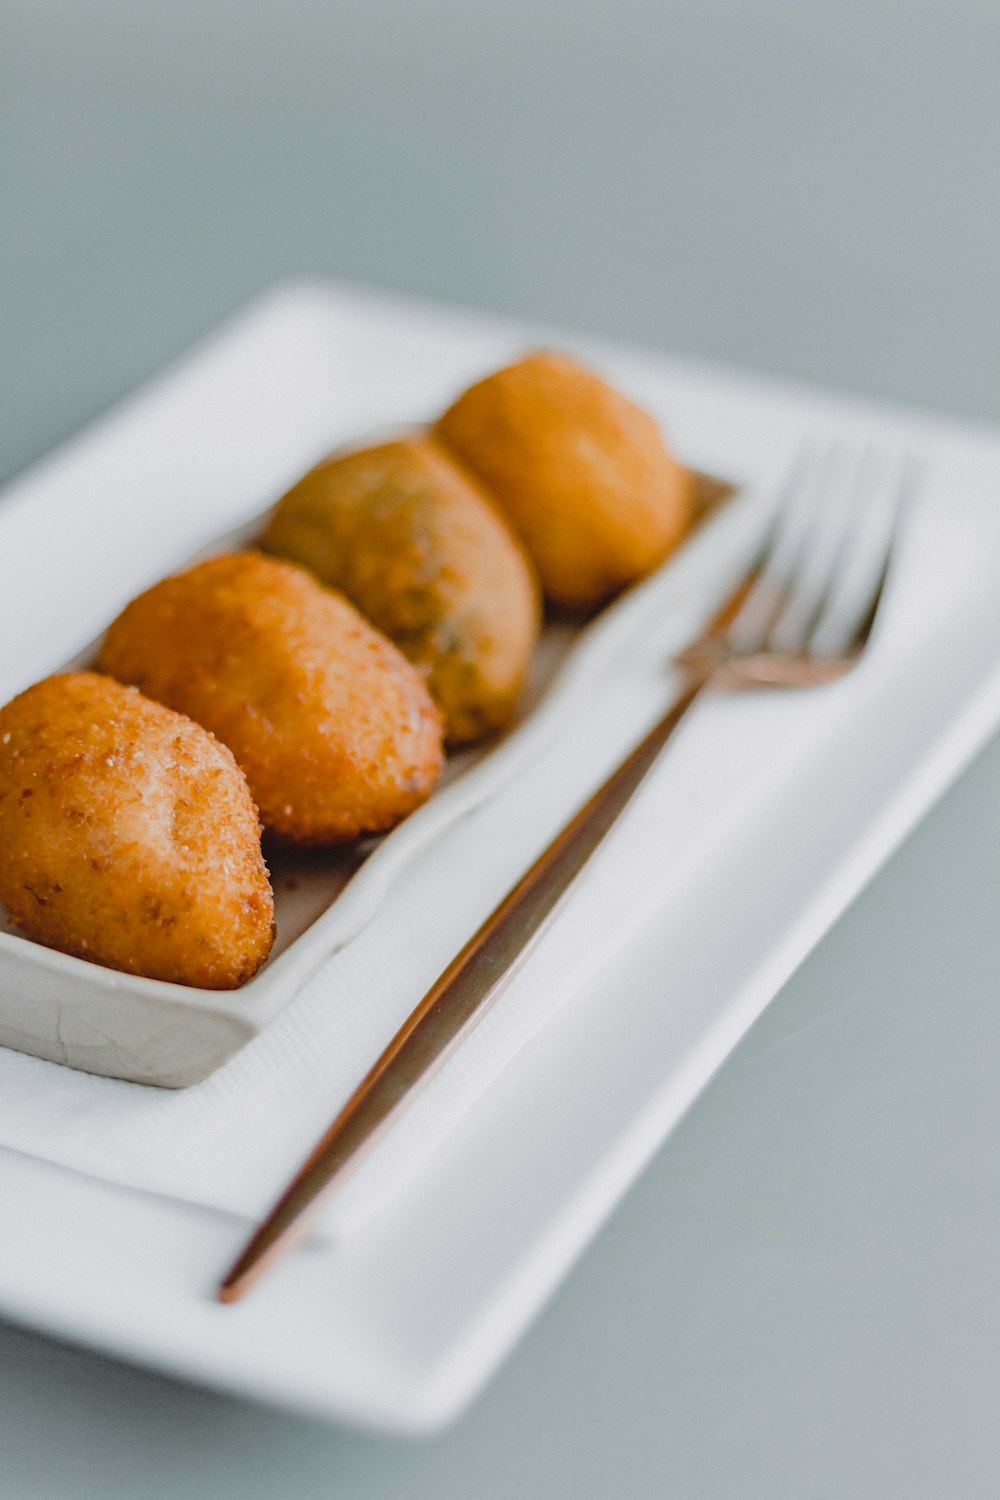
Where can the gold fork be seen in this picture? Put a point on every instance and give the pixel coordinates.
(800, 617)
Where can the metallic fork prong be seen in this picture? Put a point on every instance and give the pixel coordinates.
(775, 577)
(822, 558)
(848, 612)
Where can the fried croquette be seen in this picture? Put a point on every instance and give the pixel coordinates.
(333, 728)
(580, 470)
(410, 538)
(128, 835)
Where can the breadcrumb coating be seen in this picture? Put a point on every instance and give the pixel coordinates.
(128, 835)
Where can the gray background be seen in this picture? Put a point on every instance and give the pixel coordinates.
(801, 1298)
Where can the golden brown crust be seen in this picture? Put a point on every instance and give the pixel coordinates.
(128, 836)
(581, 471)
(413, 541)
(334, 730)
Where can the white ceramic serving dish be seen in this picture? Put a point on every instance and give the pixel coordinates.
(243, 418)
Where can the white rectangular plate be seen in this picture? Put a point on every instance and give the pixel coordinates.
(399, 1325)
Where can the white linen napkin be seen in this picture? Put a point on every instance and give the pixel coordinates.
(233, 1140)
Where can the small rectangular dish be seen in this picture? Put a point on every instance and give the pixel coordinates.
(135, 500)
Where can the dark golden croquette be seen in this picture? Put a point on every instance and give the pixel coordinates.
(582, 472)
(128, 835)
(412, 540)
(333, 728)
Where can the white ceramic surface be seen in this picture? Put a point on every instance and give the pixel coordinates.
(399, 1325)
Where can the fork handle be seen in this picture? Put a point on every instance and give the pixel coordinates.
(453, 1005)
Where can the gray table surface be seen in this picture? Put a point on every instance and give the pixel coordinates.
(801, 1298)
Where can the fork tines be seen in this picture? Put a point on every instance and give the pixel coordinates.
(822, 568)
